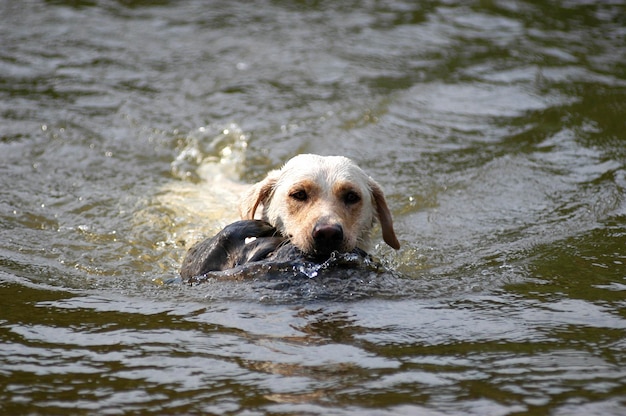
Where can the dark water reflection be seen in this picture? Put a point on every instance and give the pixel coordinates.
(496, 128)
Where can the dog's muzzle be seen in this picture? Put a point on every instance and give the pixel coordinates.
(327, 238)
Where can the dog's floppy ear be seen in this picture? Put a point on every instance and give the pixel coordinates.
(384, 216)
(258, 194)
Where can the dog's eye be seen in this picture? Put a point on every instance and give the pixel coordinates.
(351, 198)
(299, 195)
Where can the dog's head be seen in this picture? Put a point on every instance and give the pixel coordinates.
(322, 203)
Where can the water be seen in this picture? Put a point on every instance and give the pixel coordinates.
(496, 129)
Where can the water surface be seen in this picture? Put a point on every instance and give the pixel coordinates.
(496, 129)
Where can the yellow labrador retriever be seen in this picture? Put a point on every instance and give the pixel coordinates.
(322, 204)
(311, 207)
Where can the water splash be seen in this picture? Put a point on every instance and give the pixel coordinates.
(207, 148)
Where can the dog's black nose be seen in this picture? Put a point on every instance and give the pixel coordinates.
(328, 236)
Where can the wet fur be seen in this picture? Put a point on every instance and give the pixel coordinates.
(327, 181)
(311, 207)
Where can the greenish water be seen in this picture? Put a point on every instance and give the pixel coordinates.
(497, 129)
